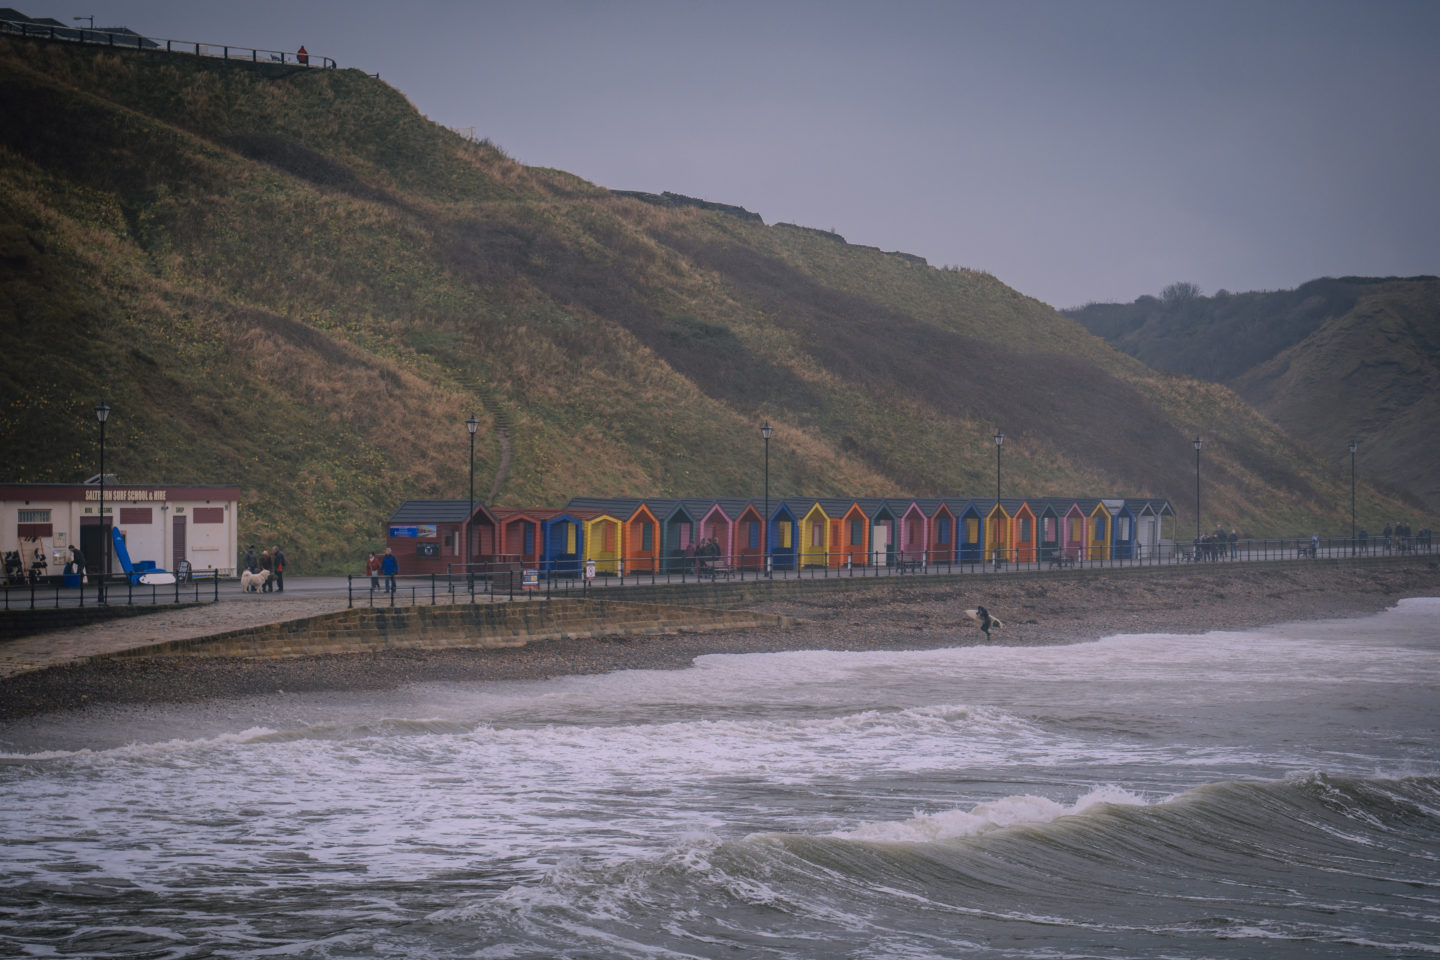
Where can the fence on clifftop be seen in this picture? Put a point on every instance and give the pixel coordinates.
(123, 38)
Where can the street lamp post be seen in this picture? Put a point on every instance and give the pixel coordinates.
(999, 540)
(472, 425)
(999, 439)
(102, 413)
(1353, 446)
(1197, 490)
(765, 431)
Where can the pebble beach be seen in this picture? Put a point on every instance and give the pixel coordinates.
(907, 615)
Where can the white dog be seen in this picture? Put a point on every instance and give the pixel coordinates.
(252, 582)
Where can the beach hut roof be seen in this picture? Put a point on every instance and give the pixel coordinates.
(438, 511)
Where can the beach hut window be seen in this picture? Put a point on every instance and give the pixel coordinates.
(972, 530)
(944, 533)
(34, 516)
(1074, 528)
(1024, 529)
(529, 539)
(754, 534)
(609, 538)
(817, 534)
(569, 538)
(1122, 528)
(785, 534)
(912, 530)
(647, 536)
(1099, 528)
(857, 533)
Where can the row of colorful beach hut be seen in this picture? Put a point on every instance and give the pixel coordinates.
(625, 535)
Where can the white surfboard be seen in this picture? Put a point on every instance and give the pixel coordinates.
(157, 579)
(975, 615)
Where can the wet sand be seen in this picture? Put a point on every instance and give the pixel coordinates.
(905, 615)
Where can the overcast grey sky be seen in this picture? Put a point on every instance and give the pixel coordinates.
(1078, 151)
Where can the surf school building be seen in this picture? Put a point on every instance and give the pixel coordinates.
(163, 523)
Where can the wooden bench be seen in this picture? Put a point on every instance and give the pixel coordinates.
(909, 562)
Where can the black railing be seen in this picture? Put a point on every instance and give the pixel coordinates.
(568, 576)
(118, 591)
(129, 40)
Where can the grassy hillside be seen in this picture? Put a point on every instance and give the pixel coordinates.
(1331, 360)
(289, 279)
(1372, 373)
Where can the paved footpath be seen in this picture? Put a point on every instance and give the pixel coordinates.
(234, 610)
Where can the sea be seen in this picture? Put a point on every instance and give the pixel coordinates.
(1267, 793)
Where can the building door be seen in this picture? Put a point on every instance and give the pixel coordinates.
(879, 543)
(177, 542)
(94, 543)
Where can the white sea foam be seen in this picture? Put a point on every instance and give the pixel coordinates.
(985, 817)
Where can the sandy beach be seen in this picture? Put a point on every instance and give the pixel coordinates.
(905, 615)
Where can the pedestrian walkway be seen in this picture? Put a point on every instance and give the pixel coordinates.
(235, 612)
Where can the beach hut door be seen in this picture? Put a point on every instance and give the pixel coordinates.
(879, 544)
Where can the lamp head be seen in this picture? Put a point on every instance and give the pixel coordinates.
(999, 438)
(472, 425)
(1197, 444)
(1353, 446)
(102, 412)
(766, 430)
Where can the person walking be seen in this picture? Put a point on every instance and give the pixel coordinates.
(986, 621)
(267, 565)
(390, 567)
(277, 558)
(252, 565)
(372, 570)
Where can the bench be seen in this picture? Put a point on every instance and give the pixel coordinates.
(720, 570)
(909, 562)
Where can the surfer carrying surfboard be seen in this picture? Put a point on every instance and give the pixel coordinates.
(986, 621)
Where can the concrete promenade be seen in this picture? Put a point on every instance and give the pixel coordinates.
(310, 596)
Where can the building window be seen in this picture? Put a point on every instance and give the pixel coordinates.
(138, 516)
(34, 516)
(209, 514)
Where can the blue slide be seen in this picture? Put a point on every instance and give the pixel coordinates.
(149, 575)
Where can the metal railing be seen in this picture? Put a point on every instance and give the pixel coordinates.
(129, 40)
(118, 591)
(570, 576)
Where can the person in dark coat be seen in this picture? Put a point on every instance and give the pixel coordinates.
(389, 566)
(267, 564)
(252, 565)
(277, 562)
(77, 561)
(986, 621)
